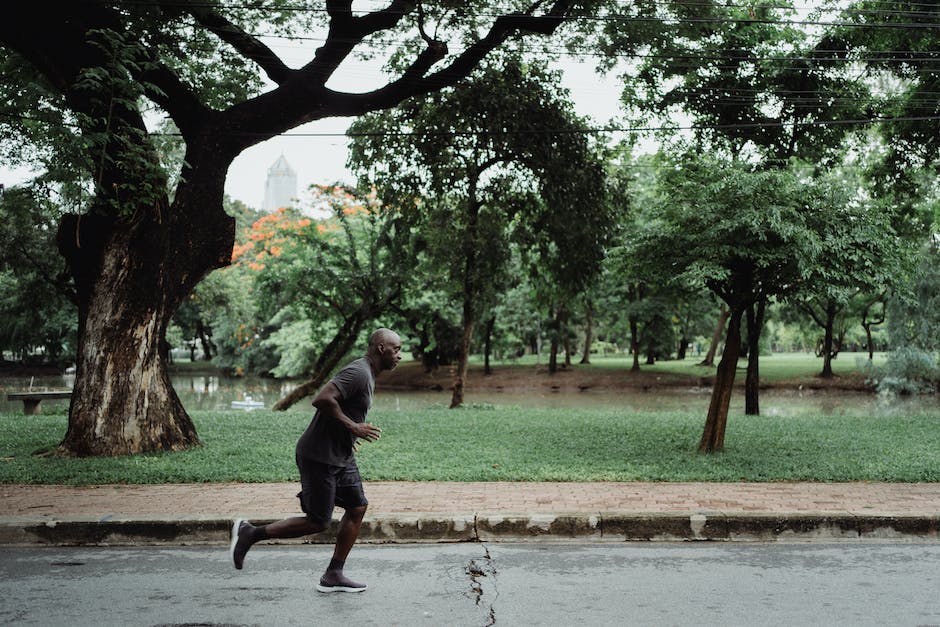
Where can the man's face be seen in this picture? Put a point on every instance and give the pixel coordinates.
(390, 352)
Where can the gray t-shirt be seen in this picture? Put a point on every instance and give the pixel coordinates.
(326, 440)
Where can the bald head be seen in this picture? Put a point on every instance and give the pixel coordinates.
(383, 336)
(384, 350)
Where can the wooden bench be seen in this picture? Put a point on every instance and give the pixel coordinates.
(32, 400)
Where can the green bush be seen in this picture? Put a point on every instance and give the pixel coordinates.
(908, 371)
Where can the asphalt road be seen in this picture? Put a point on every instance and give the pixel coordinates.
(480, 584)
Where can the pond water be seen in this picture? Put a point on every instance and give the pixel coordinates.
(203, 392)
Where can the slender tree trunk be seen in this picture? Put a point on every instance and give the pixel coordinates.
(867, 324)
(716, 337)
(869, 342)
(563, 317)
(713, 436)
(469, 296)
(828, 341)
(488, 345)
(207, 345)
(755, 326)
(553, 343)
(588, 334)
(683, 348)
(635, 343)
(338, 347)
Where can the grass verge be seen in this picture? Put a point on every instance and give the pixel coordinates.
(501, 443)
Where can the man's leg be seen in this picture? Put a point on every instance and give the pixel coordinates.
(333, 580)
(244, 534)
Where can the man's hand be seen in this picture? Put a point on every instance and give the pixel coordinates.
(366, 431)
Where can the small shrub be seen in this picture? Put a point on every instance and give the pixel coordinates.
(908, 371)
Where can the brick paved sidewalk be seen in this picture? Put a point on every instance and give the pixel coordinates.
(268, 500)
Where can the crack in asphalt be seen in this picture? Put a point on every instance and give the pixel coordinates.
(477, 570)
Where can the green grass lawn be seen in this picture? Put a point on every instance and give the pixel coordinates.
(505, 443)
(792, 368)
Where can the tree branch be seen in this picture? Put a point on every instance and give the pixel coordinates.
(246, 44)
(304, 98)
(346, 32)
(413, 81)
(166, 89)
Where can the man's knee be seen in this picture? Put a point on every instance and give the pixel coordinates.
(357, 513)
(315, 525)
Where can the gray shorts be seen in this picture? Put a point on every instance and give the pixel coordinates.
(322, 487)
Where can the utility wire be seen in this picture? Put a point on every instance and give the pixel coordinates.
(585, 131)
(637, 18)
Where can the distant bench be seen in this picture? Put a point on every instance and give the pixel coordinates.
(32, 400)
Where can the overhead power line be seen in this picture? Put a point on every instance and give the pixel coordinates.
(584, 130)
(927, 13)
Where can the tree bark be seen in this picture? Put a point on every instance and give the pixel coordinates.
(683, 348)
(469, 294)
(867, 324)
(563, 317)
(553, 344)
(827, 349)
(716, 337)
(208, 347)
(755, 326)
(713, 436)
(588, 334)
(635, 343)
(488, 345)
(131, 274)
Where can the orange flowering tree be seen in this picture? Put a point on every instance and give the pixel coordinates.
(317, 281)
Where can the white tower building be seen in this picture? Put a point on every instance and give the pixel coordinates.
(280, 189)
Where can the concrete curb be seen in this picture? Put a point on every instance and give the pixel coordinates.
(431, 528)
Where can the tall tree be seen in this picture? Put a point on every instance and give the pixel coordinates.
(37, 296)
(755, 87)
(861, 254)
(746, 236)
(502, 155)
(336, 277)
(94, 68)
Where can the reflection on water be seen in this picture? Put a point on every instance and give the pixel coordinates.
(214, 392)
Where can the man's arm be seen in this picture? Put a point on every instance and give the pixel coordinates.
(327, 401)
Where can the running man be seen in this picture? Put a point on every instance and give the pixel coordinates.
(325, 457)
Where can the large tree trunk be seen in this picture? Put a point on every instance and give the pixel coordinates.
(716, 337)
(122, 400)
(755, 326)
(132, 269)
(131, 274)
(713, 436)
